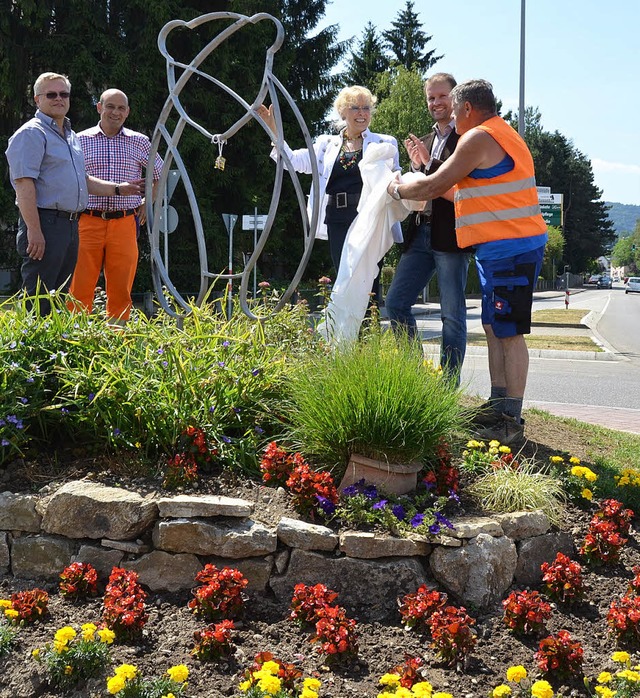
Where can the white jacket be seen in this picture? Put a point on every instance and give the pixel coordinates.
(327, 149)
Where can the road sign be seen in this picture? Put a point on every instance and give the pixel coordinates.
(550, 207)
(254, 222)
(230, 220)
(171, 222)
(543, 190)
(172, 182)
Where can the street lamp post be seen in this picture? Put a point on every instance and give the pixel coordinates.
(521, 105)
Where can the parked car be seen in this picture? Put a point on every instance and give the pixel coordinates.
(633, 285)
(593, 279)
(605, 282)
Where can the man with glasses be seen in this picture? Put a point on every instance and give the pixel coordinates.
(108, 228)
(47, 171)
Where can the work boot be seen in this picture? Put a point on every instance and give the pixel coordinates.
(507, 431)
(486, 415)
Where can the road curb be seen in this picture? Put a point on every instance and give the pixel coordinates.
(537, 353)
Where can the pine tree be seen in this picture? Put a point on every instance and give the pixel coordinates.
(369, 61)
(406, 40)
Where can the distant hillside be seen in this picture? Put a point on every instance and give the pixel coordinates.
(623, 217)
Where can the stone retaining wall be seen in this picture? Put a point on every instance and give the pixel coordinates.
(167, 540)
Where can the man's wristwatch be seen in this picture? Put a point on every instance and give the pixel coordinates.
(395, 194)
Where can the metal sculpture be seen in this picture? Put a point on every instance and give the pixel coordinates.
(163, 139)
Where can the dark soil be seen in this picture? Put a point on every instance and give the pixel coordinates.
(168, 635)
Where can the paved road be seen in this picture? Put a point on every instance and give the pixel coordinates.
(579, 385)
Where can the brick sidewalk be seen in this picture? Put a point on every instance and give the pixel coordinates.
(618, 418)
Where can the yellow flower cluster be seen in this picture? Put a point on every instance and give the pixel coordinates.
(516, 674)
(124, 673)
(628, 476)
(624, 682)
(9, 612)
(584, 472)
(422, 689)
(268, 682)
(62, 638)
(178, 673)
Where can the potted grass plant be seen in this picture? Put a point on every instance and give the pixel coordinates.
(373, 409)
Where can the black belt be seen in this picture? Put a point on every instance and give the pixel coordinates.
(70, 215)
(108, 215)
(343, 200)
(423, 218)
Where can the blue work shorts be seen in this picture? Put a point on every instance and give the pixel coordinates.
(507, 291)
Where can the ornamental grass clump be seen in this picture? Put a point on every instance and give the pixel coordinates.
(526, 488)
(128, 682)
(71, 658)
(375, 398)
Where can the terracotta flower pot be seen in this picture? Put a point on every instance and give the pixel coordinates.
(393, 477)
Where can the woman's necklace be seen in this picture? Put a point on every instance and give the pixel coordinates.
(350, 152)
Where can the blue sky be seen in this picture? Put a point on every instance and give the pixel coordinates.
(582, 67)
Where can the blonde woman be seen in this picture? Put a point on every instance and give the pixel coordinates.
(340, 182)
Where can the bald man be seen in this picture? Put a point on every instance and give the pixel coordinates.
(108, 227)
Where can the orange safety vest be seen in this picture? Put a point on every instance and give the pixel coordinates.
(502, 207)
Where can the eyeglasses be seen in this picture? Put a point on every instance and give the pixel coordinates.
(54, 95)
(354, 108)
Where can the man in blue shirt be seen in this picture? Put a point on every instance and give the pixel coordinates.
(47, 171)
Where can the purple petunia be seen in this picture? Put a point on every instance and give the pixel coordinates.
(453, 496)
(226, 439)
(443, 520)
(417, 520)
(381, 504)
(327, 506)
(399, 512)
(434, 528)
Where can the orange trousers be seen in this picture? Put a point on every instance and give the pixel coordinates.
(110, 244)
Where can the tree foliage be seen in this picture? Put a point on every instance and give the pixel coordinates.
(553, 252)
(406, 40)
(369, 61)
(587, 230)
(626, 252)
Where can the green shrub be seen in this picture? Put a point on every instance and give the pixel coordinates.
(377, 397)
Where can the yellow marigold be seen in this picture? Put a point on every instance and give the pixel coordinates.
(68, 670)
(107, 636)
(312, 684)
(574, 460)
(88, 631)
(501, 691)
(270, 684)
(5, 603)
(623, 481)
(11, 613)
(556, 459)
(402, 692)
(587, 494)
(308, 693)
(389, 680)
(60, 646)
(541, 689)
(604, 677)
(245, 685)
(620, 657)
(516, 673)
(65, 634)
(35, 653)
(605, 692)
(178, 673)
(271, 667)
(475, 444)
(439, 694)
(494, 443)
(422, 689)
(169, 695)
(385, 694)
(127, 671)
(629, 675)
(115, 684)
(504, 449)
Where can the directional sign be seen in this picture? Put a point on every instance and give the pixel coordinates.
(254, 222)
(550, 207)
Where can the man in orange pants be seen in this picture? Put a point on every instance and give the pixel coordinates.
(108, 227)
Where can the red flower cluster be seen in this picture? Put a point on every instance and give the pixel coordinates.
(308, 600)
(605, 537)
(451, 634)
(124, 609)
(214, 642)
(288, 674)
(221, 595)
(192, 454)
(416, 609)
(313, 492)
(78, 580)
(409, 671)
(562, 579)
(336, 633)
(526, 612)
(560, 655)
(31, 605)
(445, 477)
(623, 617)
